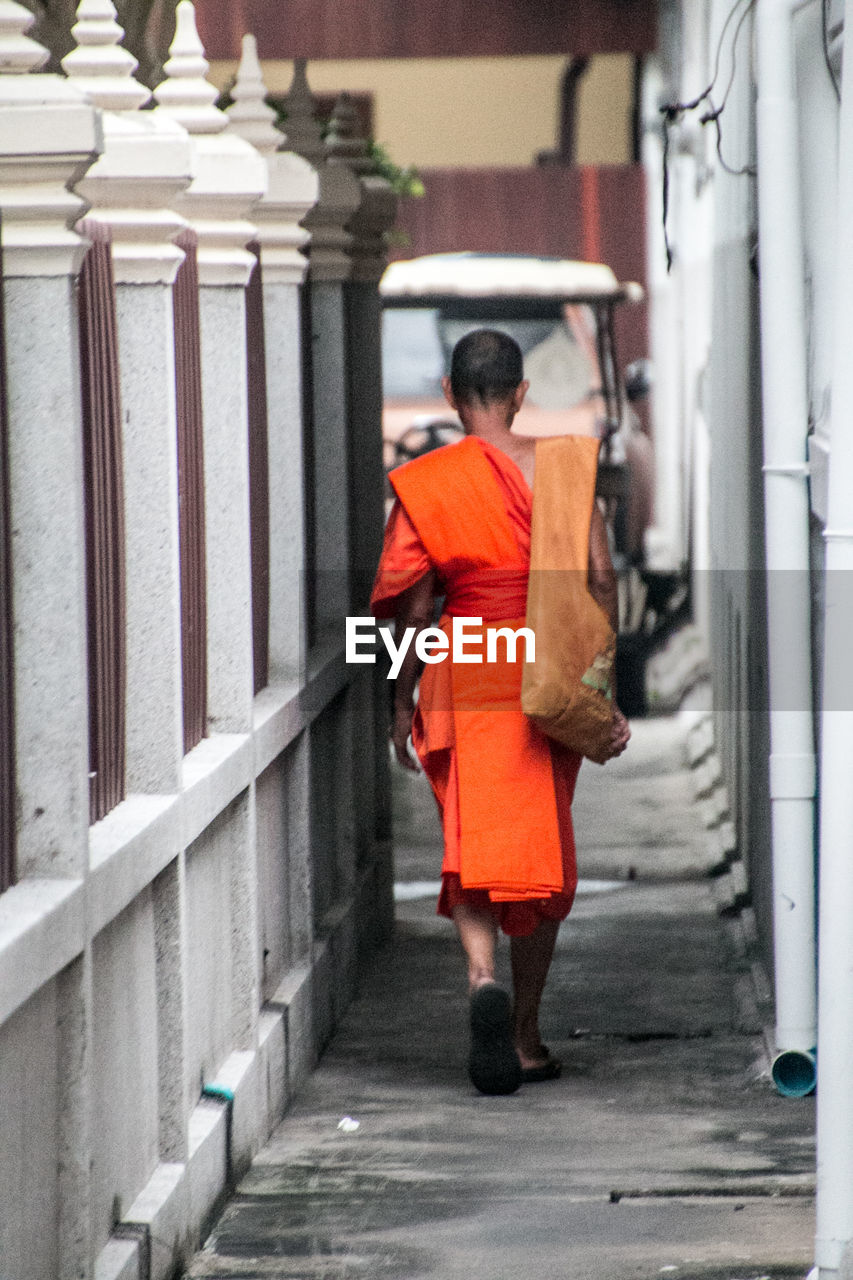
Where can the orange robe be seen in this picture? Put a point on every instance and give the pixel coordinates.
(504, 790)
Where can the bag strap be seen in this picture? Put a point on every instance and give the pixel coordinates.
(563, 497)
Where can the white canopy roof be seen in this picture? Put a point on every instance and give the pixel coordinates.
(481, 275)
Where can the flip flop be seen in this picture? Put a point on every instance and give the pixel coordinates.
(493, 1066)
(549, 1070)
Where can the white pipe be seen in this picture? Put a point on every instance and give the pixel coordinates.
(835, 1045)
(785, 416)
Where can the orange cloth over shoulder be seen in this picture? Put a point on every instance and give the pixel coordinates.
(503, 789)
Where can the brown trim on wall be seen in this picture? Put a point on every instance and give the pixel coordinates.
(584, 211)
(456, 28)
(259, 476)
(191, 522)
(104, 508)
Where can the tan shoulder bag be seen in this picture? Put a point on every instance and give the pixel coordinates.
(566, 690)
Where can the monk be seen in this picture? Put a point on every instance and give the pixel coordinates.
(460, 529)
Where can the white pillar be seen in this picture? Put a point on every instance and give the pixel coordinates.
(334, 799)
(145, 165)
(228, 177)
(368, 251)
(369, 695)
(48, 138)
(330, 267)
(292, 192)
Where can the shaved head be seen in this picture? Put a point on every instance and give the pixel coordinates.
(486, 367)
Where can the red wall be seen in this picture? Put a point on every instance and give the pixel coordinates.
(593, 213)
(420, 29)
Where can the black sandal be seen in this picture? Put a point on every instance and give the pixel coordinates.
(493, 1066)
(550, 1069)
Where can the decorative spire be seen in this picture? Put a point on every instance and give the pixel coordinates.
(98, 65)
(304, 134)
(18, 53)
(250, 115)
(345, 143)
(185, 94)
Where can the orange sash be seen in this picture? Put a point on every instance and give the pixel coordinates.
(502, 833)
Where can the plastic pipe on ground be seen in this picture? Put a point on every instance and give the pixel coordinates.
(794, 1072)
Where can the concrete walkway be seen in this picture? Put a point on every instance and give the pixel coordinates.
(662, 1150)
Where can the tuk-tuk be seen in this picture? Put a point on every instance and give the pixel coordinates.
(561, 313)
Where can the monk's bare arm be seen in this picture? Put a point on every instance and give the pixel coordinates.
(603, 589)
(415, 609)
(602, 577)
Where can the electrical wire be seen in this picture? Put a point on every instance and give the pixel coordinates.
(666, 241)
(672, 111)
(735, 38)
(824, 31)
(680, 107)
(729, 16)
(713, 117)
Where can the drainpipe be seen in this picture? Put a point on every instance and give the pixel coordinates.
(786, 503)
(835, 1058)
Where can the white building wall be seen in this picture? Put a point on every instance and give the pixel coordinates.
(819, 161)
(707, 415)
(818, 112)
(706, 318)
(736, 519)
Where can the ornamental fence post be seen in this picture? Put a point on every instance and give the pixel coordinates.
(291, 194)
(368, 250)
(228, 176)
(49, 136)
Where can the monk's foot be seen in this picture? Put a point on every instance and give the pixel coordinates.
(536, 1072)
(528, 1042)
(538, 1065)
(493, 1065)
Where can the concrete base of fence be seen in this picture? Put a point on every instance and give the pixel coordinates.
(169, 1218)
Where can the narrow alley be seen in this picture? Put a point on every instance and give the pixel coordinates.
(663, 1150)
(256, 261)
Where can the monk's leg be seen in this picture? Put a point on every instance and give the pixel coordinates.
(531, 960)
(493, 1065)
(478, 933)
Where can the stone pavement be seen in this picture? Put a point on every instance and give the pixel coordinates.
(663, 1150)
